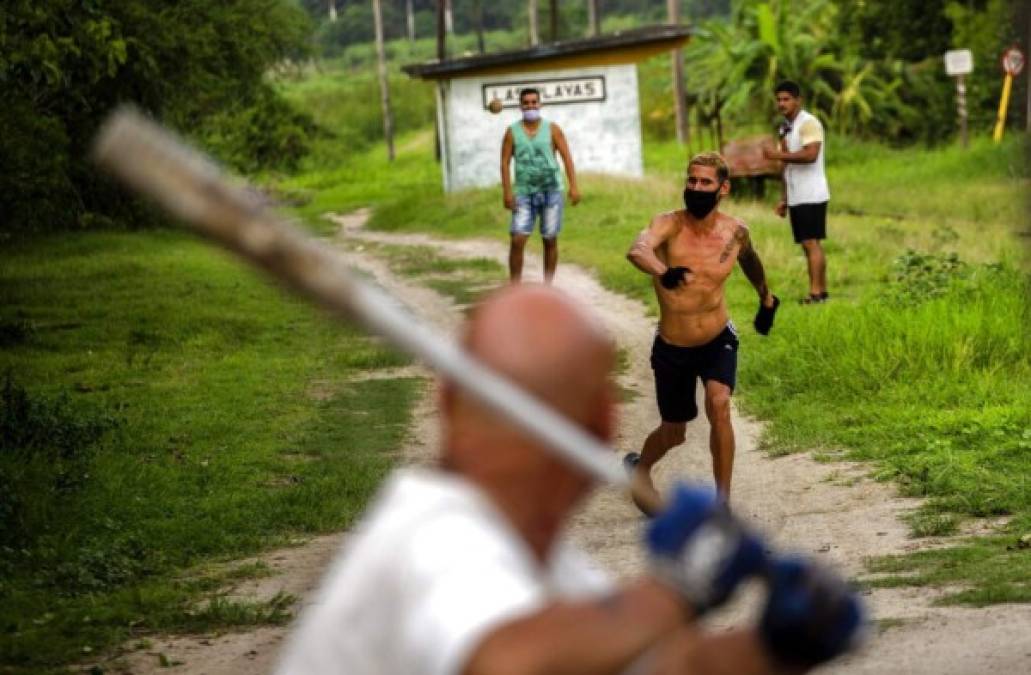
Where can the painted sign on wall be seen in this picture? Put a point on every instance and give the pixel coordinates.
(553, 91)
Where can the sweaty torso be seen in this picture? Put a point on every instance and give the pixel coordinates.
(696, 312)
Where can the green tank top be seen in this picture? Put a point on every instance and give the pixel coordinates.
(535, 167)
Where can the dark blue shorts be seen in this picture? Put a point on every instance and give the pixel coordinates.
(678, 368)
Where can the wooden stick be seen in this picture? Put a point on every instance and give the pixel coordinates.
(158, 164)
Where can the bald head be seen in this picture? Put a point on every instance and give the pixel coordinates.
(540, 340)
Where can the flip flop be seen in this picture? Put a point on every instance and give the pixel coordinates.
(814, 298)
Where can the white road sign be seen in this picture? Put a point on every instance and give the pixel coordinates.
(959, 62)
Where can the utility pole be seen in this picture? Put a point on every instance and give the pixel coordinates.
(683, 131)
(554, 20)
(592, 18)
(531, 13)
(332, 10)
(441, 32)
(384, 85)
(478, 17)
(410, 12)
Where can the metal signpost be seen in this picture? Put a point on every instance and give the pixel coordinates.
(1012, 64)
(959, 63)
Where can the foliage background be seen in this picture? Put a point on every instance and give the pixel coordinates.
(197, 65)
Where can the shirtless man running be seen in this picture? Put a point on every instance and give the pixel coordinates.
(690, 253)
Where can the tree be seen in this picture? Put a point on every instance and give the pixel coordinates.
(737, 62)
(195, 64)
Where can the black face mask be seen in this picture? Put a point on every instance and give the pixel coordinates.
(699, 202)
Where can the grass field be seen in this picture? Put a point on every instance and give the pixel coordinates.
(920, 364)
(164, 409)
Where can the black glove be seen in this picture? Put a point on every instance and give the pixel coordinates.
(700, 549)
(811, 615)
(674, 276)
(764, 317)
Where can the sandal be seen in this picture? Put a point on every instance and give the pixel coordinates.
(814, 298)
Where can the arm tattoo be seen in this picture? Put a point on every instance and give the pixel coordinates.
(752, 266)
(740, 237)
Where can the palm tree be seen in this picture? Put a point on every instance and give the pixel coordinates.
(738, 62)
(735, 64)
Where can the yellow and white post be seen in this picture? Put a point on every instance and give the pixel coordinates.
(1012, 65)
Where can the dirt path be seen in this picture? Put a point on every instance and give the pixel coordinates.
(829, 510)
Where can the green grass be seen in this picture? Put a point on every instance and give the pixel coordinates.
(978, 571)
(176, 410)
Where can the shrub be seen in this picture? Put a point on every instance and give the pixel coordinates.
(46, 451)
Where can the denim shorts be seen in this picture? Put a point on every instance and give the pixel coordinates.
(547, 206)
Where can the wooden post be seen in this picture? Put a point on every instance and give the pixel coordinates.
(683, 132)
(961, 105)
(441, 32)
(384, 84)
(531, 14)
(592, 18)
(410, 15)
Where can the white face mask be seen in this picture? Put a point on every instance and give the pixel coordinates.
(531, 115)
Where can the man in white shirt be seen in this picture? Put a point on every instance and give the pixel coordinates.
(464, 567)
(805, 192)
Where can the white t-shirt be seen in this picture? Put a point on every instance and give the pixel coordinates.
(431, 571)
(806, 183)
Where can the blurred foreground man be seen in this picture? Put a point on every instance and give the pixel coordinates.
(463, 567)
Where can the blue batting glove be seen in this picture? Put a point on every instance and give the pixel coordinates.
(700, 549)
(811, 615)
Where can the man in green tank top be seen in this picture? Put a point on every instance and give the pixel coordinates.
(532, 142)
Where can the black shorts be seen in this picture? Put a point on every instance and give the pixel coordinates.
(808, 221)
(677, 369)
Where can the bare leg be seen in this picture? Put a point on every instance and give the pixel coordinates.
(515, 257)
(550, 258)
(817, 263)
(721, 435)
(821, 271)
(664, 437)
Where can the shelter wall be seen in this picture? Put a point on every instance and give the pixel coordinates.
(597, 108)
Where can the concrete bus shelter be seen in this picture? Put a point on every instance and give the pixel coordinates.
(588, 87)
